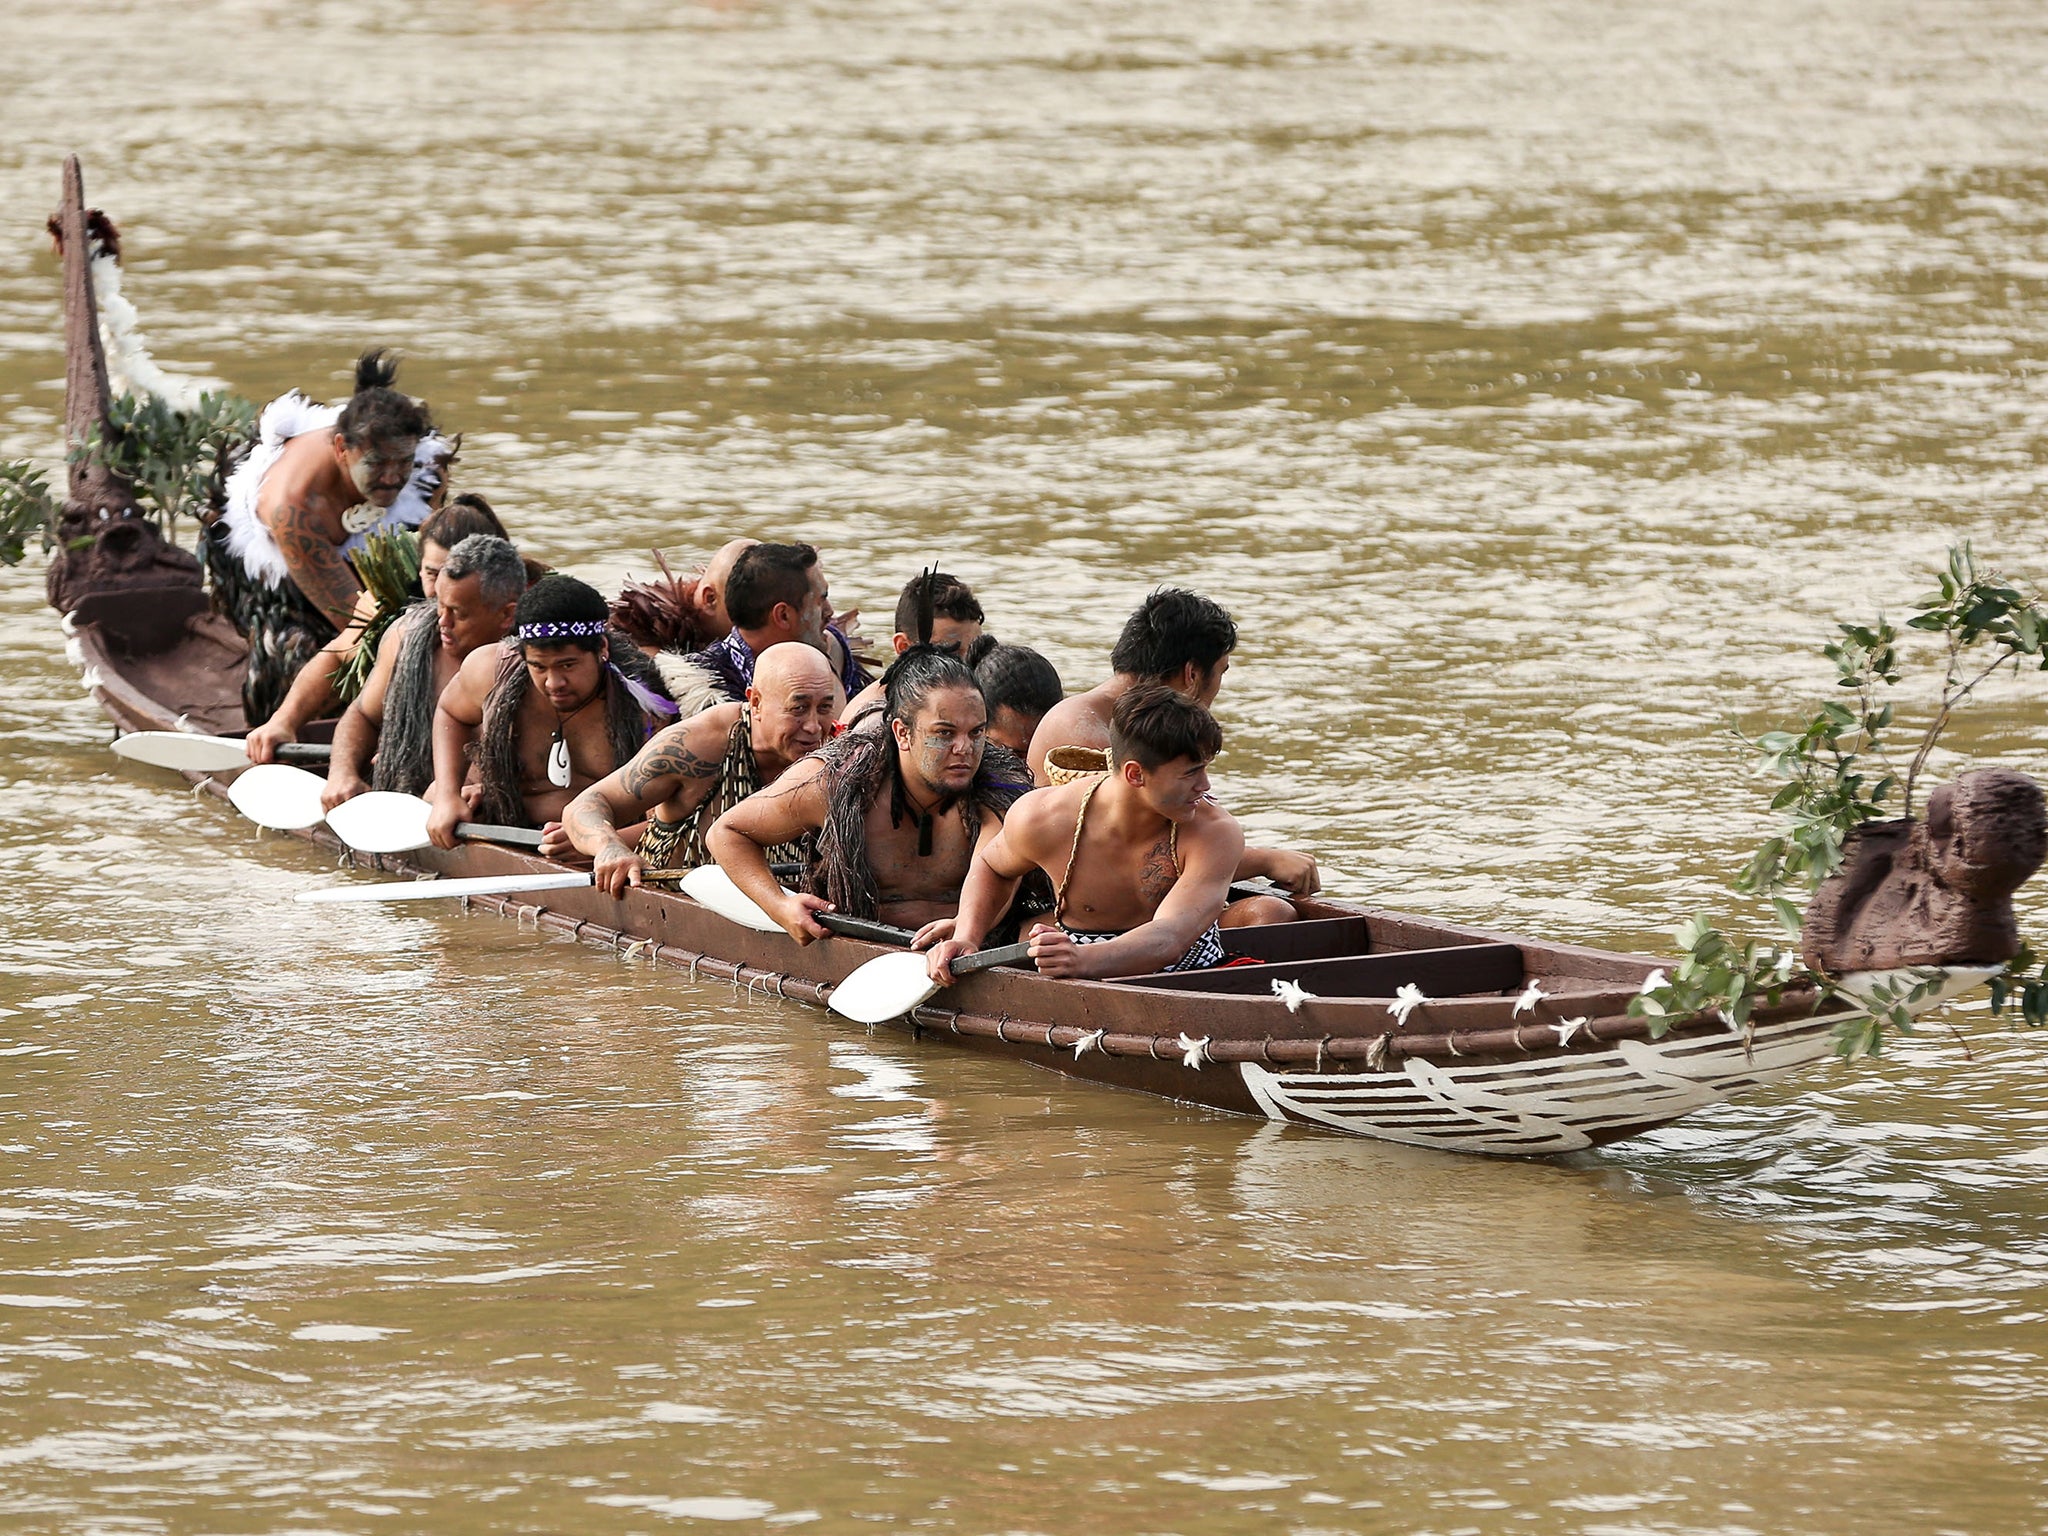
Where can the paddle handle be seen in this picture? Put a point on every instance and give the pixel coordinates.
(485, 832)
(861, 928)
(884, 933)
(988, 959)
(305, 752)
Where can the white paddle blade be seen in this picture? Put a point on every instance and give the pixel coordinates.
(381, 822)
(887, 987)
(710, 886)
(274, 795)
(433, 890)
(182, 750)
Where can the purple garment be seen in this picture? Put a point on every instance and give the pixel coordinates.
(731, 662)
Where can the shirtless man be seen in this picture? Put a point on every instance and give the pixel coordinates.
(477, 588)
(1141, 858)
(312, 696)
(933, 609)
(896, 814)
(318, 483)
(551, 711)
(695, 771)
(1182, 640)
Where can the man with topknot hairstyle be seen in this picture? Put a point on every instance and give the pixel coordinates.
(318, 482)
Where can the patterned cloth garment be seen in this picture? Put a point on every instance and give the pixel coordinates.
(680, 844)
(731, 661)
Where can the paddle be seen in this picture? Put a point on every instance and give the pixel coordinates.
(192, 753)
(889, 986)
(429, 890)
(710, 886)
(885, 987)
(383, 822)
(279, 797)
(505, 885)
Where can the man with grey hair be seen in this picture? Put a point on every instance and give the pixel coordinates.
(393, 718)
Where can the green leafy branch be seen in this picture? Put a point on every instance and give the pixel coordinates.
(388, 565)
(26, 508)
(1836, 772)
(171, 457)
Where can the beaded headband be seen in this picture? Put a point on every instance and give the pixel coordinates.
(567, 630)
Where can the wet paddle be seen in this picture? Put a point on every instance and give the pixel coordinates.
(383, 822)
(889, 986)
(282, 798)
(505, 885)
(710, 886)
(191, 753)
(431, 890)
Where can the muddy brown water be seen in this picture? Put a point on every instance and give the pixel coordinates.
(1537, 383)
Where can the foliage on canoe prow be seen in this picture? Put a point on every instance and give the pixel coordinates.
(26, 510)
(1836, 773)
(173, 458)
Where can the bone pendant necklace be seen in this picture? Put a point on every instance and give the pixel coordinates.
(364, 515)
(558, 749)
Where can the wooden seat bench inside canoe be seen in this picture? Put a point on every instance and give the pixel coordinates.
(1393, 1025)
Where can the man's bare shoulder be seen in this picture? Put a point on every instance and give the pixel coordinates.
(294, 479)
(1081, 721)
(392, 641)
(1041, 816)
(480, 666)
(1213, 827)
(704, 733)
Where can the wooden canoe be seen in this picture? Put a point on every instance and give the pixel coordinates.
(1472, 1069)
(1468, 1071)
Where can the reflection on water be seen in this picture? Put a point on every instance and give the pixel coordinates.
(1536, 384)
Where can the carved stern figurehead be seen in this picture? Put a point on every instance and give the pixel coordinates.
(1937, 891)
(107, 546)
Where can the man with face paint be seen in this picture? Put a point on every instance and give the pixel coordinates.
(551, 710)
(1141, 858)
(895, 814)
(693, 772)
(318, 483)
(477, 588)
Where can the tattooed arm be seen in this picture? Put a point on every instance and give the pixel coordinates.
(314, 561)
(677, 769)
(793, 805)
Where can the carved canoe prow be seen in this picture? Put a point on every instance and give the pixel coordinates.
(1936, 891)
(126, 552)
